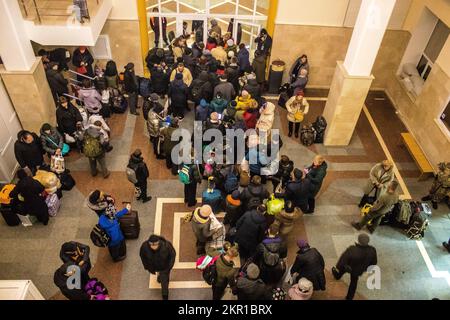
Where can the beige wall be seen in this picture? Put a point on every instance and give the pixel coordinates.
(440, 8)
(125, 42)
(326, 45)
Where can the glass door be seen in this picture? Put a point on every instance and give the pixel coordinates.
(246, 32)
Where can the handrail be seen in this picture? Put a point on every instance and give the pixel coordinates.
(82, 75)
(70, 96)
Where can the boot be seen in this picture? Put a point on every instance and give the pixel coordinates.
(434, 204)
(165, 297)
(446, 246)
(356, 225)
(146, 199)
(296, 135)
(426, 198)
(335, 273)
(290, 134)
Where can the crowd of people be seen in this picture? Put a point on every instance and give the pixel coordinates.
(226, 91)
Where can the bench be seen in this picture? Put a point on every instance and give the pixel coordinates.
(419, 157)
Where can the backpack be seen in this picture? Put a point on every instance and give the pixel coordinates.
(131, 175)
(184, 175)
(210, 273)
(308, 135)
(231, 183)
(270, 259)
(91, 146)
(144, 87)
(4, 193)
(319, 126)
(99, 236)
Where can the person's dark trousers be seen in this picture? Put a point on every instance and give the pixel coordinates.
(154, 141)
(311, 204)
(169, 163)
(118, 252)
(178, 112)
(218, 292)
(132, 102)
(143, 187)
(200, 247)
(294, 127)
(303, 207)
(353, 282)
(190, 194)
(244, 253)
(164, 278)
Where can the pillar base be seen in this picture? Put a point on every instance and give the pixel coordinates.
(30, 95)
(345, 101)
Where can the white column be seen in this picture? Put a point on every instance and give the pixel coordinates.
(15, 47)
(368, 33)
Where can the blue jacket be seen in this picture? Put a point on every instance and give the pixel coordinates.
(218, 105)
(256, 160)
(243, 57)
(112, 227)
(202, 111)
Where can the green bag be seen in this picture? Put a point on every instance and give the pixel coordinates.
(92, 147)
(184, 174)
(274, 205)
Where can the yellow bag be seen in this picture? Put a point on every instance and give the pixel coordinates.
(4, 193)
(365, 211)
(299, 116)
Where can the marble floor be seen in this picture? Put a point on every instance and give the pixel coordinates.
(409, 269)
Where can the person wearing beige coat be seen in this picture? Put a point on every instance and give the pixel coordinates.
(187, 76)
(265, 121)
(220, 55)
(286, 218)
(380, 175)
(296, 107)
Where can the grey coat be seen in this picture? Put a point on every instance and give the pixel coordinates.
(201, 230)
(378, 175)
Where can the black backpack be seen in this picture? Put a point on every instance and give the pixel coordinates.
(210, 274)
(308, 135)
(319, 126)
(99, 236)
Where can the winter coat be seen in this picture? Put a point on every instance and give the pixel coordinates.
(292, 107)
(248, 289)
(357, 258)
(51, 142)
(253, 88)
(131, 82)
(201, 227)
(254, 191)
(67, 118)
(385, 202)
(112, 81)
(139, 166)
(295, 293)
(269, 256)
(61, 56)
(190, 62)
(286, 220)
(250, 118)
(243, 104)
(299, 191)
(162, 259)
(299, 84)
(77, 253)
(178, 93)
(220, 55)
(202, 111)
(57, 83)
(187, 76)
(153, 122)
(160, 80)
(233, 209)
(309, 264)
(232, 73)
(112, 227)
(297, 66)
(226, 272)
(86, 57)
(378, 175)
(100, 207)
(178, 52)
(218, 105)
(203, 87)
(259, 66)
(91, 98)
(264, 45)
(168, 144)
(227, 90)
(28, 155)
(229, 113)
(60, 280)
(316, 176)
(250, 230)
(31, 189)
(265, 121)
(243, 57)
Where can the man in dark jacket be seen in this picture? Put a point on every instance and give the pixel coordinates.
(77, 254)
(158, 256)
(131, 87)
(264, 42)
(298, 191)
(155, 25)
(243, 58)
(178, 94)
(160, 79)
(259, 66)
(67, 116)
(137, 164)
(201, 88)
(233, 208)
(233, 74)
(355, 260)
(226, 88)
(254, 89)
(154, 58)
(250, 231)
(254, 194)
(59, 55)
(249, 286)
(82, 59)
(28, 150)
(61, 280)
(315, 173)
(309, 264)
(56, 81)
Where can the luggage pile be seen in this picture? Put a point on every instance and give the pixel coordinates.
(314, 132)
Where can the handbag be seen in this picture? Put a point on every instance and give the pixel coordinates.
(299, 116)
(81, 70)
(57, 164)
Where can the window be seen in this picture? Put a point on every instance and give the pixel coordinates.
(445, 116)
(433, 49)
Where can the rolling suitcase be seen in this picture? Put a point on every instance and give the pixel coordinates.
(9, 216)
(130, 226)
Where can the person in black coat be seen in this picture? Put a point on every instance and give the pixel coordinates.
(56, 81)
(283, 175)
(83, 60)
(254, 194)
(189, 60)
(233, 208)
(249, 285)
(298, 191)
(137, 163)
(28, 150)
(77, 254)
(131, 87)
(61, 280)
(201, 88)
(233, 74)
(355, 260)
(67, 117)
(33, 202)
(158, 256)
(155, 25)
(309, 264)
(178, 94)
(264, 42)
(160, 80)
(250, 231)
(59, 55)
(316, 174)
(254, 89)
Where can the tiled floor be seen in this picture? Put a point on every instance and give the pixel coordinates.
(32, 253)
